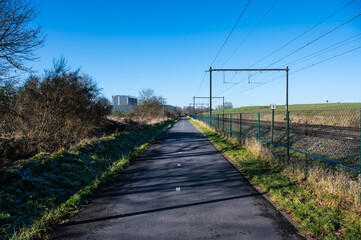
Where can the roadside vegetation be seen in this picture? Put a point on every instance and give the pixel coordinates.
(149, 109)
(58, 140)
(48, 188)
(324, 200)
(295, 107)
(40, 112)
(50, 112)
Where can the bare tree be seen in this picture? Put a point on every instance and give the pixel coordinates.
(228, 105)
(149, 105)
(19, 36)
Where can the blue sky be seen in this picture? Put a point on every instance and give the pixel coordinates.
(167, 46)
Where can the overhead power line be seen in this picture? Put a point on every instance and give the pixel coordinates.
(250, 33)
(229, 35)
(326, 50)
(333, 28)
(317, 38)
(296, 71)
(204, 77)
(329, 58)
(323, 51)
(304, 33)
(308, 43)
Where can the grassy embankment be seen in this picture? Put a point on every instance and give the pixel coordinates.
(49, 188)
(325, 203)
(296, 107)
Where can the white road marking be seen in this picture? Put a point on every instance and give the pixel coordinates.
(177, 189)
(179, 165)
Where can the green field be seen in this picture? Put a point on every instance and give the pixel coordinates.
(296, 107)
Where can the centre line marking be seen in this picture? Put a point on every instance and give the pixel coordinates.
(177, 189)
(179, 165)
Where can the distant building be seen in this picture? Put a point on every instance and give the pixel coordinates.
(124, 103)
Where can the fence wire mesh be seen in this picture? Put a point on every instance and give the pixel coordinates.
(329, 135)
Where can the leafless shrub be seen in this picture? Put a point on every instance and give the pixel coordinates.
(149, 105)
(55, 111)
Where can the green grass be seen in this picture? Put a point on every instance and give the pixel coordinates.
(48, 188)
(321, 214)
(296, 107)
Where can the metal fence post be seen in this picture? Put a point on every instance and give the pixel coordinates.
(259, 123)
(223, 122)
(240, 123)
(230, 124)
(288, 136)
(272, 126)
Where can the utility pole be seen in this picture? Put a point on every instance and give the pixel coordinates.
(210, 95)
(256, 70)
(287, 69)
(194, 105)
(288, 118)
(223, 107)
(247, 70)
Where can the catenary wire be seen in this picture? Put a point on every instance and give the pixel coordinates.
(250, 33)
(229, 35)
(302, 34)
(329, 48)
(341, 23)
(199, 87)
(317, 38)
(298, 70)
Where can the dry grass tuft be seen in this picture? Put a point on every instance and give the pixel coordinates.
(323, 180)
(336, 184)
(257, 149)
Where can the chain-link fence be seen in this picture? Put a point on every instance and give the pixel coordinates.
(332, 136)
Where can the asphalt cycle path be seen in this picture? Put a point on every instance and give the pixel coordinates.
(180, 188)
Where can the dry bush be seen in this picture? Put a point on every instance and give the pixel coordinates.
(53, 112)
